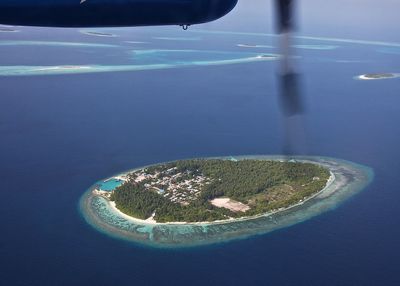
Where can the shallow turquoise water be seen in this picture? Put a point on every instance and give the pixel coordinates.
(136, 60)
(110, 185)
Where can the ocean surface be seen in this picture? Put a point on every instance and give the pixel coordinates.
(61, 132)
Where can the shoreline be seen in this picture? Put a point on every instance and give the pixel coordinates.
(346, 180)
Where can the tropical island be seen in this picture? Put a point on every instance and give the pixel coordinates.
(210, 190)
(201, 201)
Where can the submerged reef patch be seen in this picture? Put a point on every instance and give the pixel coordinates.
(142, 60)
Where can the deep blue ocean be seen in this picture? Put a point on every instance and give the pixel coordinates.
(61, 133)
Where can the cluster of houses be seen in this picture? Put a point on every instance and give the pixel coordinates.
(178, 187)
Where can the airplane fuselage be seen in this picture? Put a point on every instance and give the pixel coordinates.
(111, 13)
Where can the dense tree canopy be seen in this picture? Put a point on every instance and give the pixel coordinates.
(263, 185)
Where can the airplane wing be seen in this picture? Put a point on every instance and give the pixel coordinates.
(111, 13)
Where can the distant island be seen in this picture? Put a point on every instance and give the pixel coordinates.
(52, 68)
(96, 33)
(375, 76)
(253, 46)
(199, 201)
(266, 56)
(6, 29)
